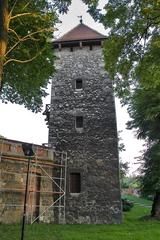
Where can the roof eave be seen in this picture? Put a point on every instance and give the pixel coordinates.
(74, 42)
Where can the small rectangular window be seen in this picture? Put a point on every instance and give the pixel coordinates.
(79, 83)
(90, 47)
(79, 121)
(75, 182)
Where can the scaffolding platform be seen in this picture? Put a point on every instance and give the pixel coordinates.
(47, 183)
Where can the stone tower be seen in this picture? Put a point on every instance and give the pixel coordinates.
(83, 123)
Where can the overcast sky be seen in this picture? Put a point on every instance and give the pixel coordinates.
(20, 124)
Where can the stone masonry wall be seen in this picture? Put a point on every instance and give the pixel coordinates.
(93, 150)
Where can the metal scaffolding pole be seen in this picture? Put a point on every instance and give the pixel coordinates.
(43, 169)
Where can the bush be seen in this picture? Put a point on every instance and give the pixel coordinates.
(149, 197)
(127, 205)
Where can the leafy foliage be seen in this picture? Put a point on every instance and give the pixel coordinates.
(133, 45)
(131, 182)
(144, 109)
(123, 170)
(121, 146)
(123, 166)
(29, 59)
(151, 169)
(132, 52)
(28, 63)
(127, 205)
(61, 5)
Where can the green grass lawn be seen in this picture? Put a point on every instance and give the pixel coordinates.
(140, 201)
(132, 228)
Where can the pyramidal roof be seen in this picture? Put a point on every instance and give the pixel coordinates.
(80, 32)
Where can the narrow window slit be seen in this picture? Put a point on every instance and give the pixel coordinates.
(75, 182)
(79, 121)
(79, 83)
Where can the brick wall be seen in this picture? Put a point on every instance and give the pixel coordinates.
(13, 169)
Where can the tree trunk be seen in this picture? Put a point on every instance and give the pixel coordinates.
(155, 212)
(4, 21)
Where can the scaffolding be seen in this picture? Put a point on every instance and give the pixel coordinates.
(47, 185)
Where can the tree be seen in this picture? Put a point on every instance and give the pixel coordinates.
(132, 61)
(144, 109)
(122, 166)
(133, 46)
(150, 179)
(131, 53)
(26, 56)
(131, 182)
(123, 172)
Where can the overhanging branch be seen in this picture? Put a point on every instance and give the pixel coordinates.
(29, 37)
(14, 4)
(23, 14)
(15, 33)
(23, 61)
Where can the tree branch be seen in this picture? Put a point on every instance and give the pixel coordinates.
(51, 29)
(22, 61)
(29, 37)
(22, 15)
(13, 7)
(11, 30)
(27, 4)
(15, 45)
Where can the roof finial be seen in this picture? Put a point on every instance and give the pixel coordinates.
(81, 20)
